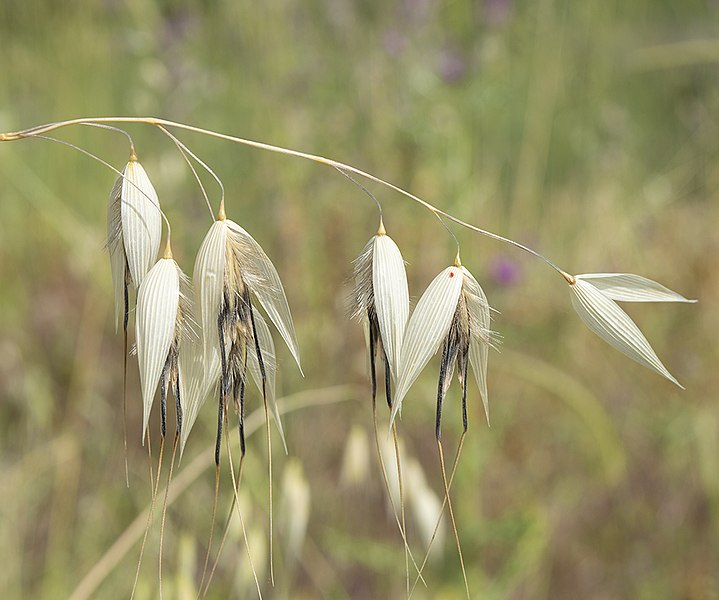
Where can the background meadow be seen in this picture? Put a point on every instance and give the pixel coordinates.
(587, 130)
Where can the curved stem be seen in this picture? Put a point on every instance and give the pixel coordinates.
(365, 190)
(117, 130)
(186, 153)
(41, 129)
(454, 237)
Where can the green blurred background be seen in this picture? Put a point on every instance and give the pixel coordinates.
(587, 130)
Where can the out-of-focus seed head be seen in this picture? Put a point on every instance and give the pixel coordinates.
(425, 506)
(355, 460)
(294, 510)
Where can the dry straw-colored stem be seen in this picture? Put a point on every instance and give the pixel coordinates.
(157, 122)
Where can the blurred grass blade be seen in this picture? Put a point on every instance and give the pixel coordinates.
(627, 287)
(157, 303)
(269, 291)
(427, 327)
(391, 296)
(602, 315)
(267, 347)
(478, 308)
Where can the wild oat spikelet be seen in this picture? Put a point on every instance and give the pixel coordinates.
(134, 229)
(162, 322)
(593, 298)
(381, 302)
(230, 270)
(453, 313)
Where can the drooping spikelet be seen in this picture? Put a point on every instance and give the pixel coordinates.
(453, 314)
(162, 326)
(381, 302)
(231, 272)
(134, 229)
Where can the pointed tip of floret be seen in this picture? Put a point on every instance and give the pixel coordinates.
(458, 260)
(381, 230)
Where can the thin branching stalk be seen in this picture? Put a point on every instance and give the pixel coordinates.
(186, 152)
(42, 129)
